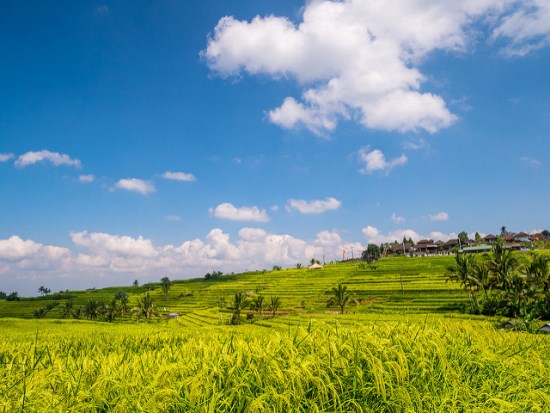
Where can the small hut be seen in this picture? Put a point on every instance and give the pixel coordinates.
(545, 329)
(315, 266)
(173, 315)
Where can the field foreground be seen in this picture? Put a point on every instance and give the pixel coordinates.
(344, 363)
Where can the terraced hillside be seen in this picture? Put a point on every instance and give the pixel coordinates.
(391, 285)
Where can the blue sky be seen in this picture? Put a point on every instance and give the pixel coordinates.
(140, 139)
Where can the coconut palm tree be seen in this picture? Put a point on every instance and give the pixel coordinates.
(258, 304)
(464, 272)
(166, 285)
(67, 309)
(274, 304)
(92, 309)
(538, 272)
(145, 308)
(239, 304)
(340, 297)
(111, 310)
(502, 265)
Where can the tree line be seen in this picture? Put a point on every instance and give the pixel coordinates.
(503, 283)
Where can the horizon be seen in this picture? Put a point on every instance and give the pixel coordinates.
(145, 140)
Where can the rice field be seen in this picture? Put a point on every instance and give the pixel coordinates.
(405, 347)
(357, 363)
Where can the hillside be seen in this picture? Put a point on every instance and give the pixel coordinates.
(391, 285)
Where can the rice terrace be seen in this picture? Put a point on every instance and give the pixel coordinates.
(277, 341)
(275, 206)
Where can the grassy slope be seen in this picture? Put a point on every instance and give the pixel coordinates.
(397, 285)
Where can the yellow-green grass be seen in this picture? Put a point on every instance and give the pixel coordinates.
(361, 362)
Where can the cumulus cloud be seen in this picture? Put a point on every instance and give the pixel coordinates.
(6, 156)
(396, 219)
(121, 258)
(86, 178)
(375, 236)
(55, 158)
(313, 207)
(360, 60)
(375, 161)
(244, 213)
(440, 216)
(136, 185)
(27, 256)
(527, 28)
(179, 176)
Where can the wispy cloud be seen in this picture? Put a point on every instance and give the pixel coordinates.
(440, 216)
(230, 212)
(396, 219)
(172, 218)
(535, 163)
(179, 176)
(86, 178)
(313, 207)
(6, 156)
(136, 185)
(54, 158)
(375, 161)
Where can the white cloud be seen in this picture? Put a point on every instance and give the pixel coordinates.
(86, 178)
(55, 158)
(107, 244)
(313, 207)
(374, 236)
(360, 60)
(172, 218)
(328, 238)
(244, 213)
(179, 176)
(440, 216)
(376, 161)
(136, 185)
(6, 156)
(530, 161)
(396, 219)
(528, 27)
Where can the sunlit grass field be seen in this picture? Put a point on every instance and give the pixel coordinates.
(366, 363)
(405, 346)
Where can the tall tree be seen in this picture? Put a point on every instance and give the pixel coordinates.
(92, 309)
(463, 237)
(502, 264)
(463, 271)
(274, 304)
(145, 308)
(340, 297)
(258, 304)
(166, 285)
(67, 309)
(239, 304)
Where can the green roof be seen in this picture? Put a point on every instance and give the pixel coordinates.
(478, 248)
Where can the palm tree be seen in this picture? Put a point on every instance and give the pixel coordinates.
(166, 285)
(274, 304)
(239, 303)
(538, 272)
(145, 308)
(124, 304)
(258, 304)
(67, 309)
(340, 297)
(111, 310)
(92, 309)
(463, 271)
(502, 264)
